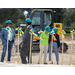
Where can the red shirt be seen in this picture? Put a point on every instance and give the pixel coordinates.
(53, 39)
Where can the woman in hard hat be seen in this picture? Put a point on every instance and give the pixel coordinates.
(56, 45)
(26, 42)
(4, 38)
(44, 43)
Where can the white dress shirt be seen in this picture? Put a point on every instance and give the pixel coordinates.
(28, 26)
(10, 35)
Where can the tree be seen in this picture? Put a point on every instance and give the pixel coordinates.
(13, 26)
(69, 19)
(1, 27)
(12, 14)
(17, 16)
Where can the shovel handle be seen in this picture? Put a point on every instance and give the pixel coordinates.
(7, 49)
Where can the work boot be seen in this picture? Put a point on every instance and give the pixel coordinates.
(57, 63)
(45, 63)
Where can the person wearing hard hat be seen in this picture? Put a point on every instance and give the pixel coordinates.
(26, 42)
(4, 39)
(44, 43)
(56, 45)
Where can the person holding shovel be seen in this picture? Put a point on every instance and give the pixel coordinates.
(4, 39)
(44, 43)
(56, 45)
(25, 50)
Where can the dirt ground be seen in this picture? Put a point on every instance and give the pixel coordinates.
(66, 56)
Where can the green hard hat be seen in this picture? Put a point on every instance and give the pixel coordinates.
(55, 30)
(47, 28)
(28, 20)
(9, 21)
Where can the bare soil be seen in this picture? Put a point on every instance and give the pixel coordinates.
(66, 56)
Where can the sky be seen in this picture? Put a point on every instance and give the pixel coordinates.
(25, 12)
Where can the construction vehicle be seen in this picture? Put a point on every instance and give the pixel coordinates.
(40, 19)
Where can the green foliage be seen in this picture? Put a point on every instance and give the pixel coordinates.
(69, 19)
(13, 26)
(16, 15)
(58, 15)
(63, 26)
(66, 16)
(1, 27)
(73, 25)
(11, 14)
(24, 28)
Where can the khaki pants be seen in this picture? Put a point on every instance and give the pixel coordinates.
(43, 49)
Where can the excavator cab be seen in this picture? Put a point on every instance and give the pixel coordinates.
(40, 19)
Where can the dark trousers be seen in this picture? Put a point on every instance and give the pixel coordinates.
(25, 53)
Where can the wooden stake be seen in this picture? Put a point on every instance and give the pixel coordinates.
(18, 49)
(30, 49)
(7, 49)
(71, 52)
(40, 49)
(62, 50)
(51, 49)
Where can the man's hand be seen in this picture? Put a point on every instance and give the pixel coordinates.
(59, 49)
(22, 44)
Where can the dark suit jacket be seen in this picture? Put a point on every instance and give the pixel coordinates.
(26, 39)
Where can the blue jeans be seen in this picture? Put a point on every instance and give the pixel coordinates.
(4, 50)
(55, 47)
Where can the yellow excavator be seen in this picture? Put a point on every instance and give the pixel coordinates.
(40, 19)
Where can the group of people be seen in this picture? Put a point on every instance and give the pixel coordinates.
(47, 41)
(25, 50)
